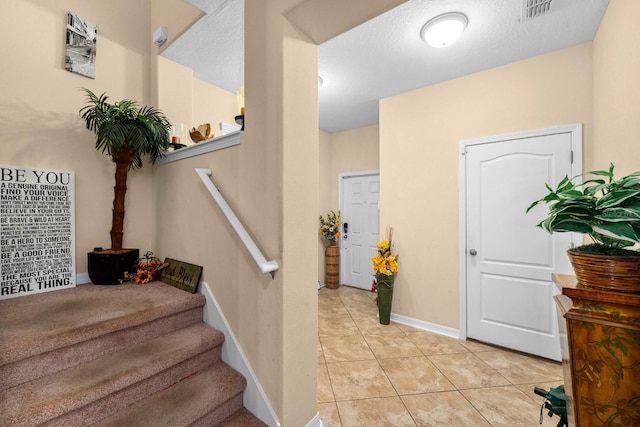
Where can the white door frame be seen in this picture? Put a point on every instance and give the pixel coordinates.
(576, 169)
(341, 178)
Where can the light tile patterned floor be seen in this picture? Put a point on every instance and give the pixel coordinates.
(394, 375)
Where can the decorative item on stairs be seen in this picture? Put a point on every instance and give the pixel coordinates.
(125, 131)
(147, 269)
(385, 266)
(608, 210)
(330, 230)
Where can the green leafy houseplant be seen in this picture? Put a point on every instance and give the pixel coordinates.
(606, 209)
(125, 131)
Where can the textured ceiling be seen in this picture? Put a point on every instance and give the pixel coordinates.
(386, 56)
(214, 46)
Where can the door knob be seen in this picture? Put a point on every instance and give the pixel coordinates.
(473, 252)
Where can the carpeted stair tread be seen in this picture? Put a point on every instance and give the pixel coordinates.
(135, 353)
(214, 394)
(40, 323)
(112, 378)
(39, 365)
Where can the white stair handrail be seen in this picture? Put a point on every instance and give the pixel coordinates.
(264, 265)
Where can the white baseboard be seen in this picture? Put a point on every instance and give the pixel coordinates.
(82, 279)
(255, 399)
(315, 422)
(426, 326)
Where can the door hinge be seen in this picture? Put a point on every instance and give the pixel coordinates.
(571, 156)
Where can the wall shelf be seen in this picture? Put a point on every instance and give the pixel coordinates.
(215, 144)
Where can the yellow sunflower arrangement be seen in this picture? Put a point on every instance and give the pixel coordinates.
(147, 269)
(384, 262)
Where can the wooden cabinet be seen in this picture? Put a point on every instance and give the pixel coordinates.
(601, 358)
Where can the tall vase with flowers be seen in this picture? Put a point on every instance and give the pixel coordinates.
(330, 227)
(385, 266)
(330, 231)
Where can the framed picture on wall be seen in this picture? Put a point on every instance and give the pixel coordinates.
(80, 54)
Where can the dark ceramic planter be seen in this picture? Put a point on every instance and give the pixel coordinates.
(108, 267)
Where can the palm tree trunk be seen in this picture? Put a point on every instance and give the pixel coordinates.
(122, 159)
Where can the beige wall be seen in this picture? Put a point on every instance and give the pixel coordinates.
(616, 90)
(212, 105)
(322, 20)
(419, 136)
(325, 202)
(300, 204)
(40, 102)
(175, 92)
(352, 151)
(594, 84)
(349, 151)
(191, 102)
(271, 181)
(177, 16)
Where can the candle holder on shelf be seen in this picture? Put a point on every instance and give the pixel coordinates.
(240, 120)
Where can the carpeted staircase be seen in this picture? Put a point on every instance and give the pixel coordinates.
(128, 355)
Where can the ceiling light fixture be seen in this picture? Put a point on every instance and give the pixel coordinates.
(444, 30)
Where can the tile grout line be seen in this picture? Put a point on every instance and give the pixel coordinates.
(385, 372)
(353, 311)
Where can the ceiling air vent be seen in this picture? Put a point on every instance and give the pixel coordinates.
(534, 8)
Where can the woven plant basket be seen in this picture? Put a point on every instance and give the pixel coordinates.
(332, 266)
(612, 273)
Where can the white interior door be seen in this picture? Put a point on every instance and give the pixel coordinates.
(509, 261)
(359, 197)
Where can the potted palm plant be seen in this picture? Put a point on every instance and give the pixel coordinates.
(608, 210)
(125, 132)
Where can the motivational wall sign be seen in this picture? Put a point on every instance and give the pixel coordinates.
(37, 231)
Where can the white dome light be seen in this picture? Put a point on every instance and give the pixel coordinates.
(444, 30)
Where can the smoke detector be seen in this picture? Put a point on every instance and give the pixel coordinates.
(534, 8)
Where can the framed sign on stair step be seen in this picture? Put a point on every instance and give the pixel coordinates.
(180, 274)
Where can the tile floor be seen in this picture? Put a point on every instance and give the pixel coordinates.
(395, 375)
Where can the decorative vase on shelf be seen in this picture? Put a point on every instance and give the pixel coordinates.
(384, 284)
(332, 265)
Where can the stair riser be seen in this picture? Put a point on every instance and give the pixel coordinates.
(210, 395)
(118, 400)
(38, 366)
